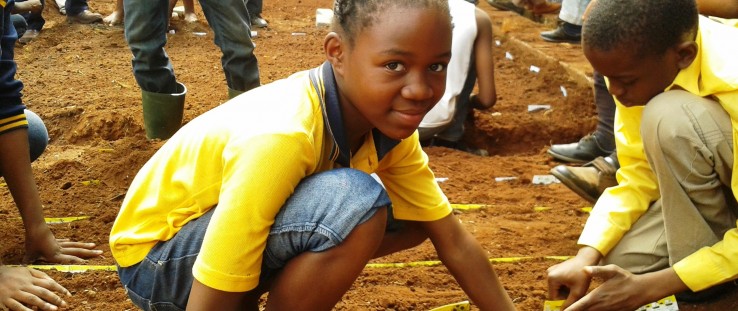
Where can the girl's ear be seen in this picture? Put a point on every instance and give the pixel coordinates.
(334, 51)
(686, 53)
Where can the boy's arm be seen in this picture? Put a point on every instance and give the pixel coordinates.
(466, 260)
(15, 165)
(484, 62)
(719, 8)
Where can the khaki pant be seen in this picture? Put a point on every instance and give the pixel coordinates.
(689, 145)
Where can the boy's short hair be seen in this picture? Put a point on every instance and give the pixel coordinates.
(352, 16)
(650, 27)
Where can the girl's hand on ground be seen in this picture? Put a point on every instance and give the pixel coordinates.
(621, 290)
(21, 288)
(49, 249)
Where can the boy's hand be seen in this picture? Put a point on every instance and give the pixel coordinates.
(569, 280)
(21, 287)
(621, 290)
(47, 248)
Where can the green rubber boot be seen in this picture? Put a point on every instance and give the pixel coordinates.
(163, 112)
(233, 93)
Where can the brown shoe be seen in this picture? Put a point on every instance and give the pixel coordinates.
(28, 36)
(86, 17)
(590, 180)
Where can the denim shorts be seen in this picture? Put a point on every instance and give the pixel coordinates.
(320, 214)
(38, 136)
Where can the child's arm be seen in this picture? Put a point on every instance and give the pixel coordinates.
(719, 8)
(15, 165)
(465, 258)
(485, 64)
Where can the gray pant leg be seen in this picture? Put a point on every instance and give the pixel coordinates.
(688, 143)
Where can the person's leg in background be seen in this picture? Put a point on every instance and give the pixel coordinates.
(570, 27)
(601, 142)
(19, 23)
(255, 8)
(35, 21)
(78, 12)
(597, 150)
(229, 21)
(451, 136)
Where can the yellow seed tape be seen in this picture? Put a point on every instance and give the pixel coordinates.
(63, 220)
(431, 263)
(466, 207)
(73, 268)
(459, 306)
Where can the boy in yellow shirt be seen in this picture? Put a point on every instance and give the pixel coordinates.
(669, 227)
(271, 191)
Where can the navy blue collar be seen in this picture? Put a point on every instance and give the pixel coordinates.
(333, 119)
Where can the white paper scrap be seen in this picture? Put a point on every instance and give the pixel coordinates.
(535, 69)
(506, 178)
(508, 56)
(544, 179)
(563, 91)
(323, 17)
(534, 108)
(441, 179)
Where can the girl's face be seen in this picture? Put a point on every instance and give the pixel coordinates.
(395, 72)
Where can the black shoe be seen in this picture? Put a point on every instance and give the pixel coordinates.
(586, 150)
(504, 5)
(590, 180)
(258, 22)
(85, 17)
(458, 146)
(561, 35)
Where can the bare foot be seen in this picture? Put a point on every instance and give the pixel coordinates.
(190, 17)
(115, 18)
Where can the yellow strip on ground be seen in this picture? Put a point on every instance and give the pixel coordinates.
(535, 208)
(63, 220)
(432, 263)
(73, 268)
(459, 306)
(468, 206)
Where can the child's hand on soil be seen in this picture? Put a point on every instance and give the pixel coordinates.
(21, 287)
(47, 248)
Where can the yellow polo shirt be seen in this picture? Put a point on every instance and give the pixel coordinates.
(247, 156)
(714, 72)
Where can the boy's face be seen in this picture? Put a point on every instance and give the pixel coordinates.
(634, 80)
(396, 71)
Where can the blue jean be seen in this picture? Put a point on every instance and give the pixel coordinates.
(74, 7)
(20, 24)
(38, 136)
(146, 32)
(309, 221)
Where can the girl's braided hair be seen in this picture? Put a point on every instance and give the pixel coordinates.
(352, 16)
